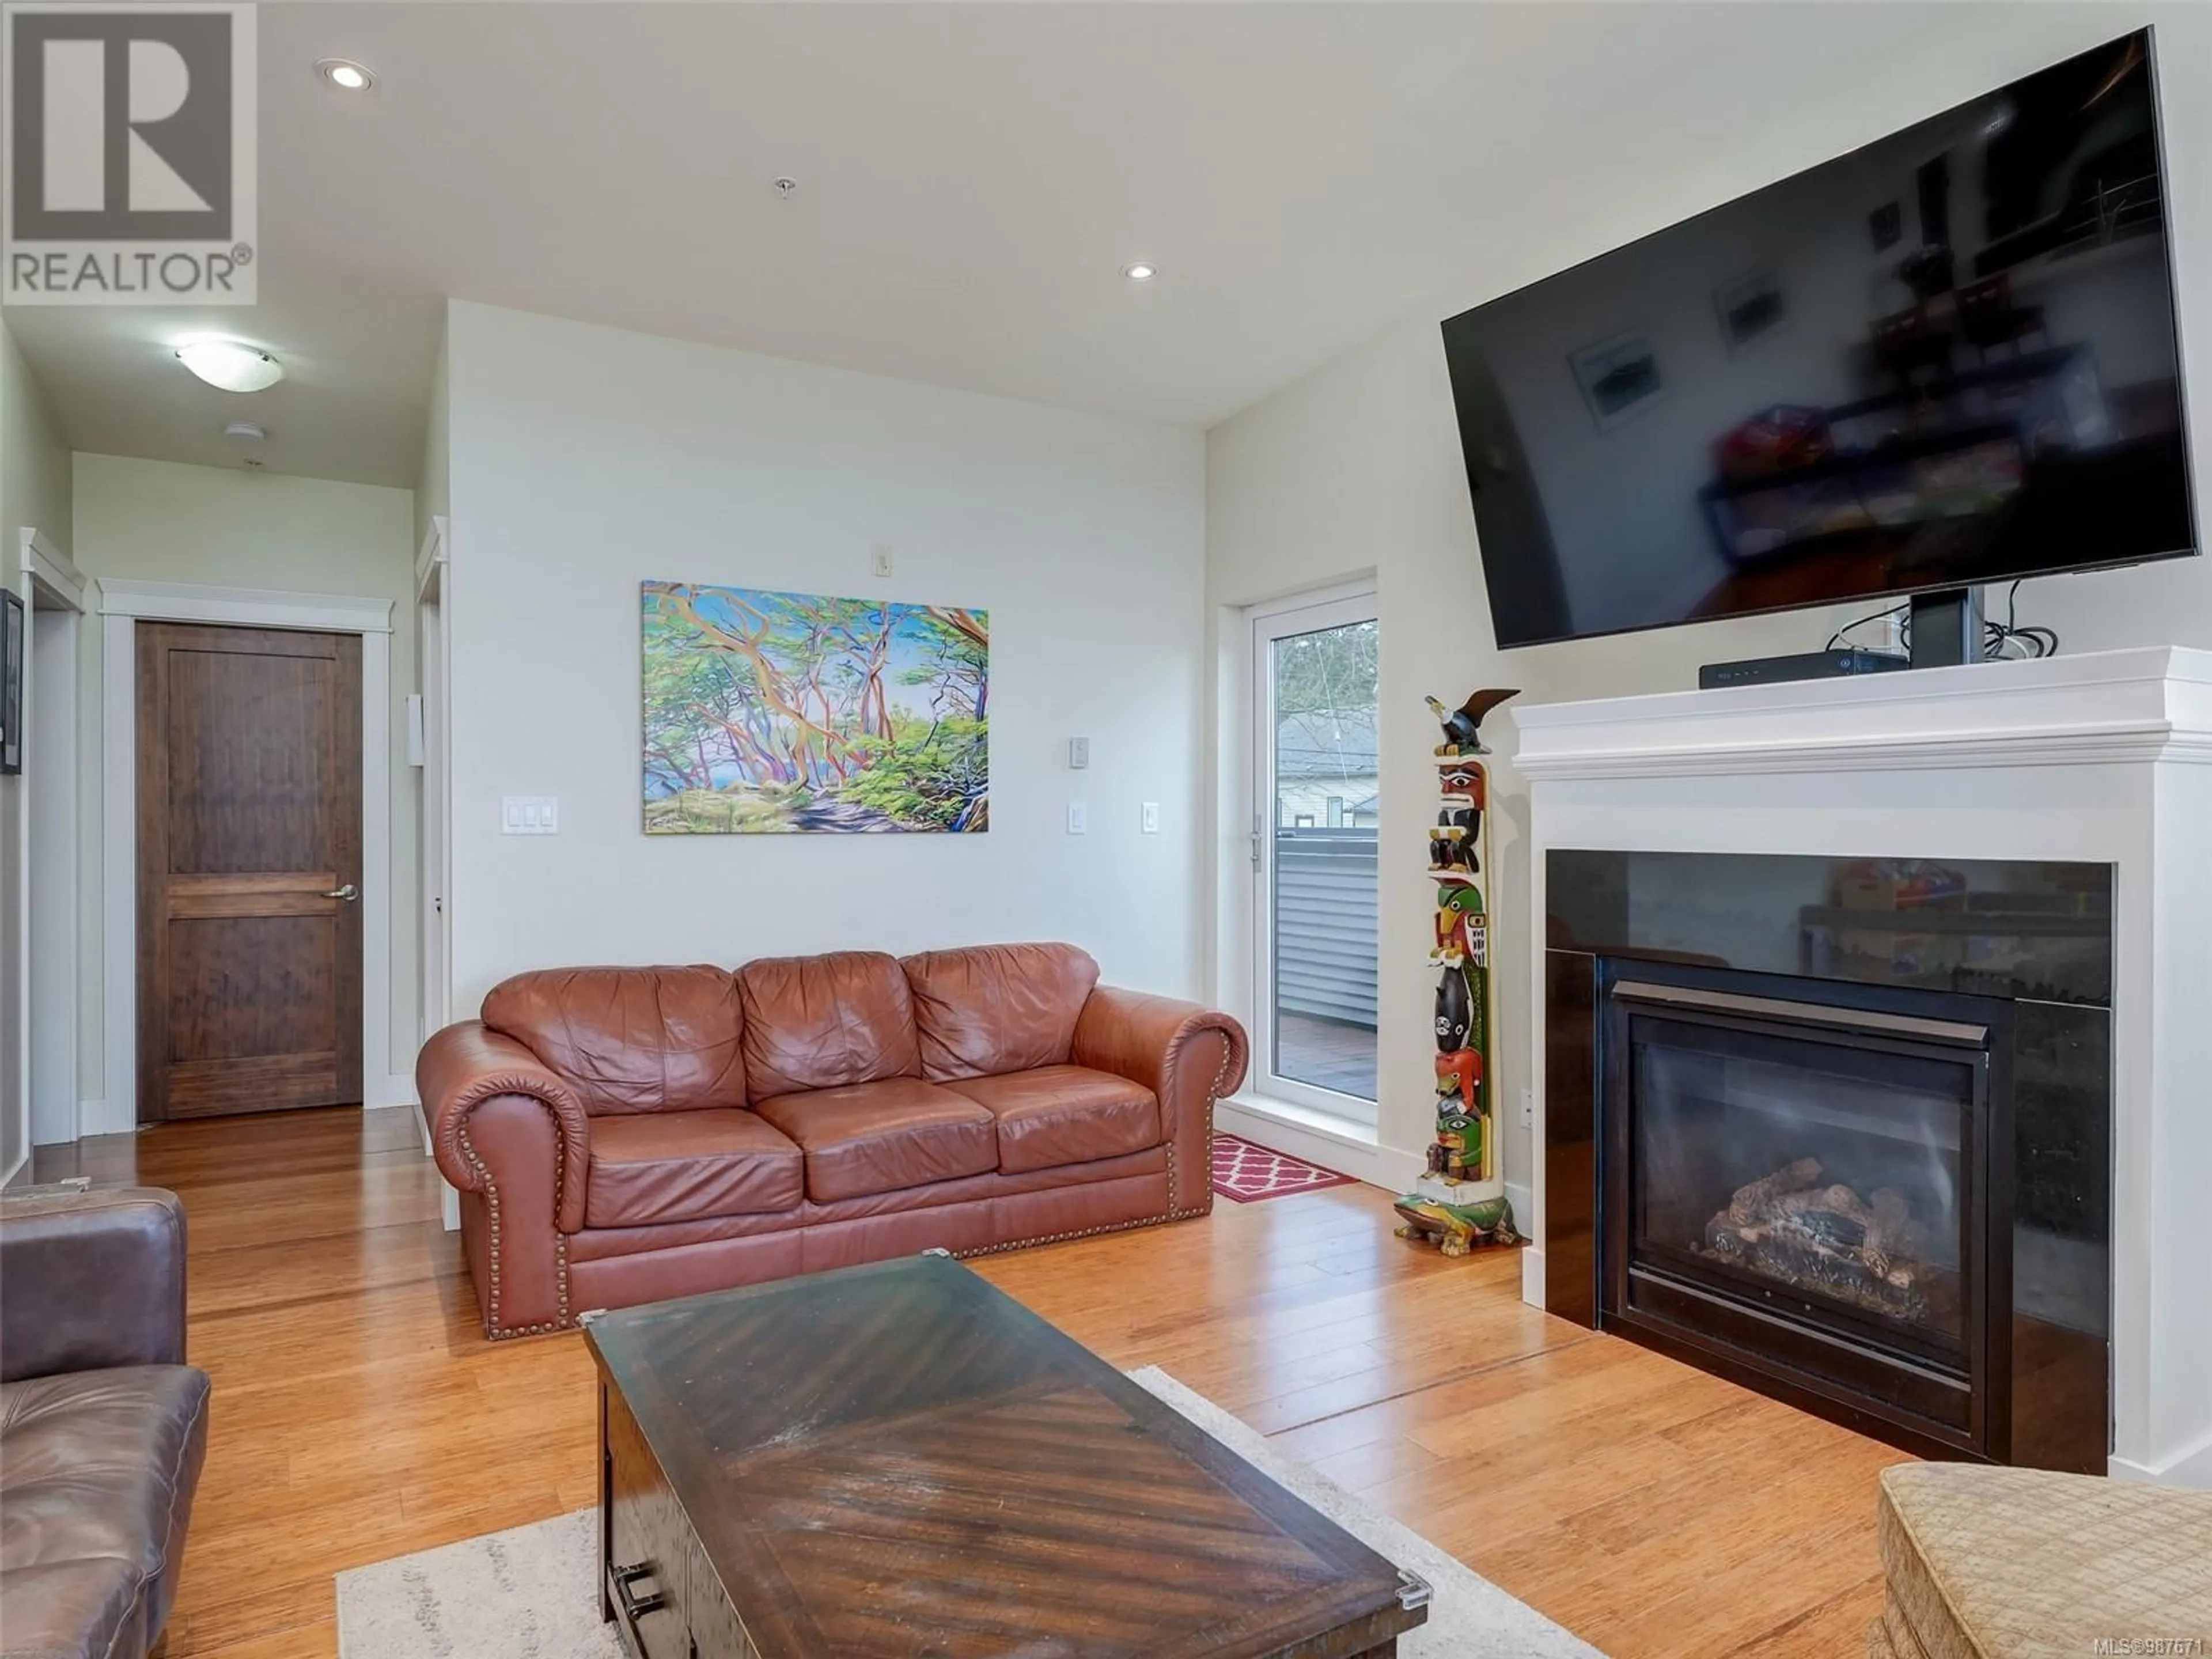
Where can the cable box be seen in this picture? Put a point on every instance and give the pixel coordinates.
(1800, 665)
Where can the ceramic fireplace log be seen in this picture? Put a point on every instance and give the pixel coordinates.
(1756, 1199)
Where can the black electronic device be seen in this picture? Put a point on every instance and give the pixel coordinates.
(1800, 665)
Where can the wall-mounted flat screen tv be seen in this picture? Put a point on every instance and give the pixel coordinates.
(1948, 358)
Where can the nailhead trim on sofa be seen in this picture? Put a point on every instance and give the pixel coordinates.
(494, 1330)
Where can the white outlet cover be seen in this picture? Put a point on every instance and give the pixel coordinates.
(1151, 817)
(1078, 820)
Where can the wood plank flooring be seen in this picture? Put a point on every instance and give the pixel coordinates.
(359, 1413)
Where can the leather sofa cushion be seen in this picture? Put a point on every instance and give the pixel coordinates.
(97, 1471)
(88, 1609)
(996, 1008)
(1059, 1115)
(880, 1137)
(629, 1039)
(681, 1166)
(825, 1021)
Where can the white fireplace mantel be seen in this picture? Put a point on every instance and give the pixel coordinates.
(2102, 758)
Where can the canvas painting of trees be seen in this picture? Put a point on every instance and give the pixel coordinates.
(768, 713)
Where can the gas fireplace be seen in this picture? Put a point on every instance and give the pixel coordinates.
(1875, 1185)
(1799, 1175)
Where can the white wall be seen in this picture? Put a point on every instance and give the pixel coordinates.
(161, 521)
(586, 459)
(1356, 467)
(34, 493)
(433, 497)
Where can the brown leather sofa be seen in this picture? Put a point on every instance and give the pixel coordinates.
(103, 1427)
(620, 1135)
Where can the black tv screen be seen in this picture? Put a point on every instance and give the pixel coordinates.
(1948, 358)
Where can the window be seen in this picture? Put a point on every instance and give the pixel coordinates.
(1315, 786)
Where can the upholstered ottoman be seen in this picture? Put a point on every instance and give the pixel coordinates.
(1986, 1563)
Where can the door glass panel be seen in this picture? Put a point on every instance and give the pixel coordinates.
(1323, 930)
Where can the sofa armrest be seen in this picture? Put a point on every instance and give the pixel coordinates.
(90, 1280)
(1188, 1055)
(466, 1066)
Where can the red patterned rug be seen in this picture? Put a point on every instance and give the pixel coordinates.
(1246, 1172)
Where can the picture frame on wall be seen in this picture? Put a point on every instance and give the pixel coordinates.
(1750, 308)
(1619, 377)
(770, 713)
(11, 682)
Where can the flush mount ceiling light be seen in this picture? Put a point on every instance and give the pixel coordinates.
(1140, 272)
(230, 365)
(346, 75)
(247, 432)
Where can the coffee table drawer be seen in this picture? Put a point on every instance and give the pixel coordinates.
(649, 1546)
(717, 1631)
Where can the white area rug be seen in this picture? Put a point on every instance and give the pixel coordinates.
(531, 1592)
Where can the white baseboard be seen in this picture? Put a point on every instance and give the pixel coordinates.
(2191, 1469)
(395, 1089)
(1522, 1198)
(449, 1204)
(1266, 1124)
(1532, 1275)
(93, 1119)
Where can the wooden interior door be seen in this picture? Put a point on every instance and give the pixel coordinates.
(249, 870)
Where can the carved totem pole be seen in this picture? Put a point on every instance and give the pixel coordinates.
(1461, 1198)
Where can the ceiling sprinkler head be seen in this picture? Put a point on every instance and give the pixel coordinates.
(785, 187)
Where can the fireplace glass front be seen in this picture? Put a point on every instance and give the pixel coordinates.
(1798, 1182)
(1821, 1176)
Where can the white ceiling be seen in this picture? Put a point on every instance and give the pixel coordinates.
(972, 177)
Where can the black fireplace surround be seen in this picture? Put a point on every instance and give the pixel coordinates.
(1839, 1130)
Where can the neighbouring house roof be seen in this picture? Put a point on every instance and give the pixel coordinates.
(1339, 745)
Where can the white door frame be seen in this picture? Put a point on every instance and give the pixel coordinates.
(123, 606)
(433, 665)
(1300, 613)
(49, 872)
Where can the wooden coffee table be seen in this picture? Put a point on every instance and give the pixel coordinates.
(898, 1460)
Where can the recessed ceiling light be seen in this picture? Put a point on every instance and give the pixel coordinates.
(1140, 272)
(230, 365)
(346, 75)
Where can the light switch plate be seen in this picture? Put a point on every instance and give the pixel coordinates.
(529, 815)
(882, 558)
(1151, 817)
(1078, 753)
(1078, 820)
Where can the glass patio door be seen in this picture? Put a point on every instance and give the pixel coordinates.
(1316, 788)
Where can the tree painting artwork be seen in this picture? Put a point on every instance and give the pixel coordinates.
(768, 713)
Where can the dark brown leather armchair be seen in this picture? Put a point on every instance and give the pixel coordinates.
(620, 1135)
(103, 1427)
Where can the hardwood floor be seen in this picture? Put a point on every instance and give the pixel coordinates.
(359, 1413)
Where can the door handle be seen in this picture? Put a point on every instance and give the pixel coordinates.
(349, 893)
